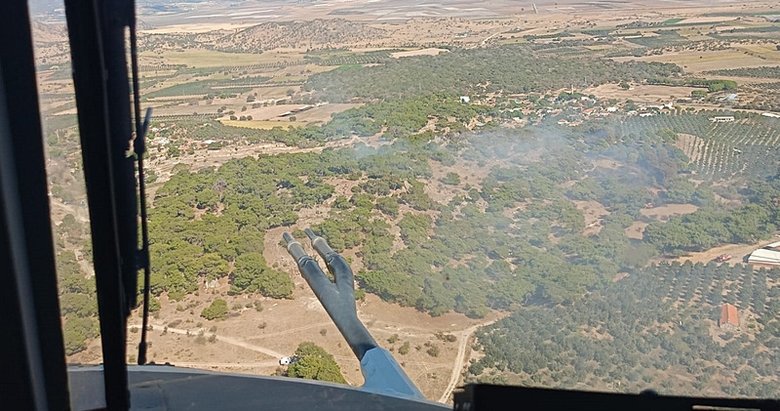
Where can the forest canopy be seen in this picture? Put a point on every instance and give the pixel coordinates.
(509, 69)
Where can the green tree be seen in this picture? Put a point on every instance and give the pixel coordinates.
(77, 332)
(315, 363)
(388, 205)
(253, 274)
(80, 305)
(404, 348)
(451, 178)
(218, 310)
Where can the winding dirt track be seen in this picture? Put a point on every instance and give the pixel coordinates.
(232, 341)
(460, 360)
(269, 363)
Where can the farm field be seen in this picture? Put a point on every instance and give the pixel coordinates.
(263, 124)
(699, 61)
(747, 146)
(640, 93)
(212, 58)
(420, 52)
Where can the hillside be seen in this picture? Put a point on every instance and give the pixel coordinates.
(314, 34)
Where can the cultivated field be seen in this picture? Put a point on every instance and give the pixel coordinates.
(699, 61)
(640, 93)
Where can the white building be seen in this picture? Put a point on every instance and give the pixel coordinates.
(722, 119)
(768, 254)
(465, 99)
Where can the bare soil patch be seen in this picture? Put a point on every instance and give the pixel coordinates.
(636, 230)
(420, 52)
(201, 27)
(323, 113)
(593, 211)
(469, 174)
(662, 213)
(640, 93)
(606, 163)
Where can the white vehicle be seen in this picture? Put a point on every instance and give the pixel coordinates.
(288, 360)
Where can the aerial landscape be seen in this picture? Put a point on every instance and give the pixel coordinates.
(562, 194)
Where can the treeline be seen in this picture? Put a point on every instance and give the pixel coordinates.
(394, 119)
(712, 85)
(397, 119)
(763, 71)
(78, 302)
(509, 69)
(715, 225)
(653, 329)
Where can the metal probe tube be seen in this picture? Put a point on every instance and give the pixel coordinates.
(338, 299)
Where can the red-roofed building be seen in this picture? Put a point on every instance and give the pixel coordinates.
(728, 316)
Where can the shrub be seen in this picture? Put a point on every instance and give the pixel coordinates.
(218, 310)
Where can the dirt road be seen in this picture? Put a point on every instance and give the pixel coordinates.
(738, 251)
(486, 39)
(460, 360)
(201, 365)
(229, 340)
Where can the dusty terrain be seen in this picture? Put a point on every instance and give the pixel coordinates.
(252, 342)
(640, 93)
(662, 213)
(738, 251)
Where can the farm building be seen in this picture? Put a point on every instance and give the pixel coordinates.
(465, 99)
(296, 110)
(722, 119)
(729, 318)
(769, 254)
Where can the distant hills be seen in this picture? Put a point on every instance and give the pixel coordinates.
(310, 34)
